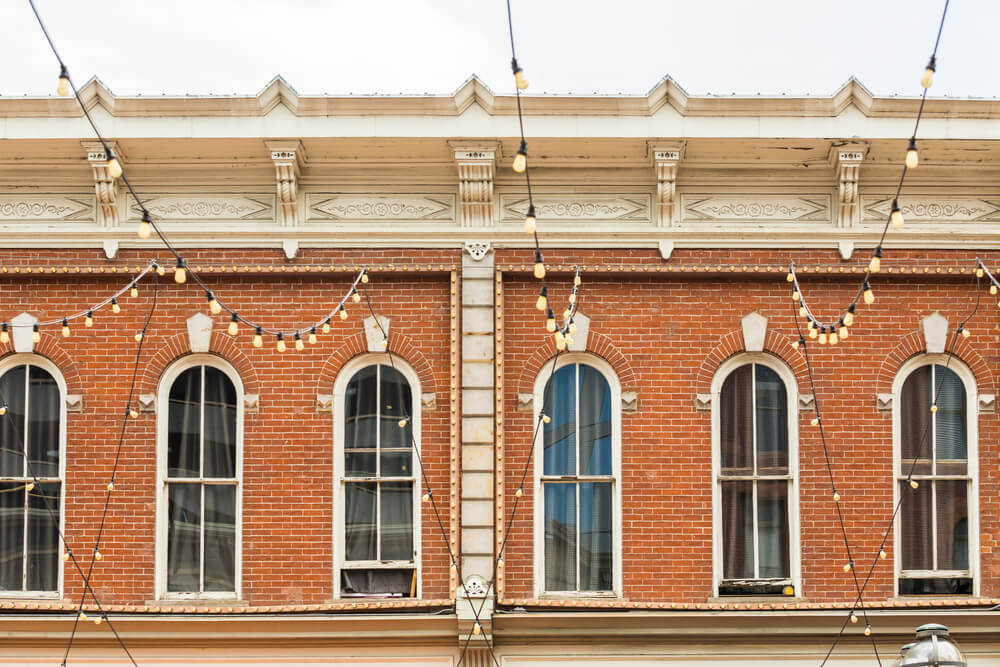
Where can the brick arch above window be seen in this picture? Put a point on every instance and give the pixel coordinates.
(914, 343)
(732, 343)
(175, 347)
(401, 346)
(597, 344)
(50, 348)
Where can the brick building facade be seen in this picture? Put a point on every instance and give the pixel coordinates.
(682, 215)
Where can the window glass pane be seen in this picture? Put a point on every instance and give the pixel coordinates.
(220, 424)
(595, 423)
(737, 530)
(772, 528)
(43, 537)
(184, 425)
(184, 538)
(559, 434)
(360, 409)
(395, 405)
(950, 423)
(915, 415)
(596, 523)
(401, 583)
(736, 410)
(560, 536)
(915, 526)
(952, 524)
(359, 463)
(220, 537)
(397, 520)
(43, 423)
(772, 422)
(359, 521)
(396, 464)
(936, 586)
(11, 534)
(12, 426)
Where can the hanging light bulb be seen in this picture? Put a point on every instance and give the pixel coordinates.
(789, 276)
(519, 492)
(364, 276)
(62, 90)
(160, 270)
(66, 556)
(89, 320)
(927, 80)
(65, 328)
(110, 486)
(3, 410)
(868, 631)
(572, 325)
(36, 335)
(796, 296)
(133, 413)
(560, 340)
(566, 314)
(115, 308)
(572, 297)
(577, 280)
(342, 312)
(326, 326)
(30, 486)
(979, 271)
(868, 294)
(138, 337)
(499, 563)
(234, 325)
(477, 629)
(98, 555)
(875, 265)
(519, 80)
(114, 166)
(133, 290)
(847, 566)
(402, 422)
(912, 158)
(881, 554)
(453, 568)
(539, 265)
(550, 321)
(834, 338)
(146, 226)
(83, 615)
(542, 303)
(312, 335)
(814, 421)
(836, 497)
(569, 340)
(521, 159)
(258, 338)
(965, 332)
(914, 484)
(355, 296)
(843, 331)
(934, 407)
(97, 620)
(854, 617)
(281, 342)
(180, 272)
(545, 418)
(426, 498)
(530, 222)
(796, 344)
(993, 289)
(299, 343)
(849, 316)
(4, 334)
(895, 215)
(213, 304)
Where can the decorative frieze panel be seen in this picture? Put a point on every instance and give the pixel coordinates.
(579, 208)
(934, 209)
(700, 208)
(367, 207)
(208, 208)
(24, 208)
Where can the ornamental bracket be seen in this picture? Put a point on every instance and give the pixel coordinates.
(848, 159)
(476, 164)
(666, 157)
(104, 185)
(288, 158)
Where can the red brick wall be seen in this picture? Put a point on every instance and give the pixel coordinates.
(673, 328)
(288, 447)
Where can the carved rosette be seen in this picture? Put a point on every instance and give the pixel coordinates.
(476, 171)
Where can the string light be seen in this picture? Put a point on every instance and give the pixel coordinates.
(326, 326)
(519, 80)
(914, 484)
(881, 554)
(912, 158)
(89, 320)
(545, 418)
(895, 215)
(965, 332)
(62, 89)
(110, 486)
(299, 344)
(550, 321)
(530, 222)
(258, 338)
(848, 565)
(521, 159)
(854, 617)
(213, 304)
(402, 422)
(833, 339)
(927, 80)
(114, 166)
(876, 264)
(868, 630)
(180, 272)
(138, 337)
(30, 486)
(796, 296)
(234, 325)
(519, 492)
(115, 308)
(342, 312)
(3, 410)
(355, 296)
(849, 316)
(65, 328)
(539, 265)
(161, 271)
(36, 335)
(312, 335)
(364, 276)
(542, 303)
(4, 334)
(836, 497)
(869, 296)
(146, 226)
(477, 629)
(425, 498)
(822, 335)
(281, 342)
(98, 555)
(133, 413)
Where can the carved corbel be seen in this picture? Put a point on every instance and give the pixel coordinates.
(848, 161)
(104, 185)
(476, 170)
(288, 158)
(666, 157)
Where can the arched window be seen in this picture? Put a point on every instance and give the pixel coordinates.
(935, 450)
(32, 390)
(200, 460)
(577, 460)
(755, 435)
(377, 479)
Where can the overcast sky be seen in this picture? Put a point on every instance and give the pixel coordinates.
(581, 46)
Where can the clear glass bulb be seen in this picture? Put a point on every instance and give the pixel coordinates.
(214, 306)
(4, 337)
(133, 291)
(115, 308)
(897, 218)
(834, 339)
(541, 303)
(869, 296)
(326, 327)
(138, 337)
(520, 80)
(550, 324)
(281, 345)
(796, 296)
(180, 275)
(312, 337)
(965, 333)
(539, 270)
(843, 333)
(813, 333)
(356, 296)
(114, 168)
(519, 493)
(530, 224)
(401, 423)
(36, 336)
(577, 281)
(993, 289)
(343, 314)
(802, 311)
(234, 328)
(62, 89)
(161, 271)
(299, 344)
(89, 320)
(849, 318)
(145, 230)
(927, 80)
(912, 158)
(258, 340)
(65, 329)
(520, 163)
(875, 265)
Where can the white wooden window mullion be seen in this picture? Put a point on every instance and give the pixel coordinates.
(24, 469)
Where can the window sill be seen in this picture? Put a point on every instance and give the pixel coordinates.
(581, 595)
(754, 599)
(197, 602)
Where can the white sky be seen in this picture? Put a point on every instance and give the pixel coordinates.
(582, 46)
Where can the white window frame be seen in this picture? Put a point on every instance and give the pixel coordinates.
(792, 396)
(972, 451)
(162, 413)
(9, 363)
(339, 533)
(605, 369)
